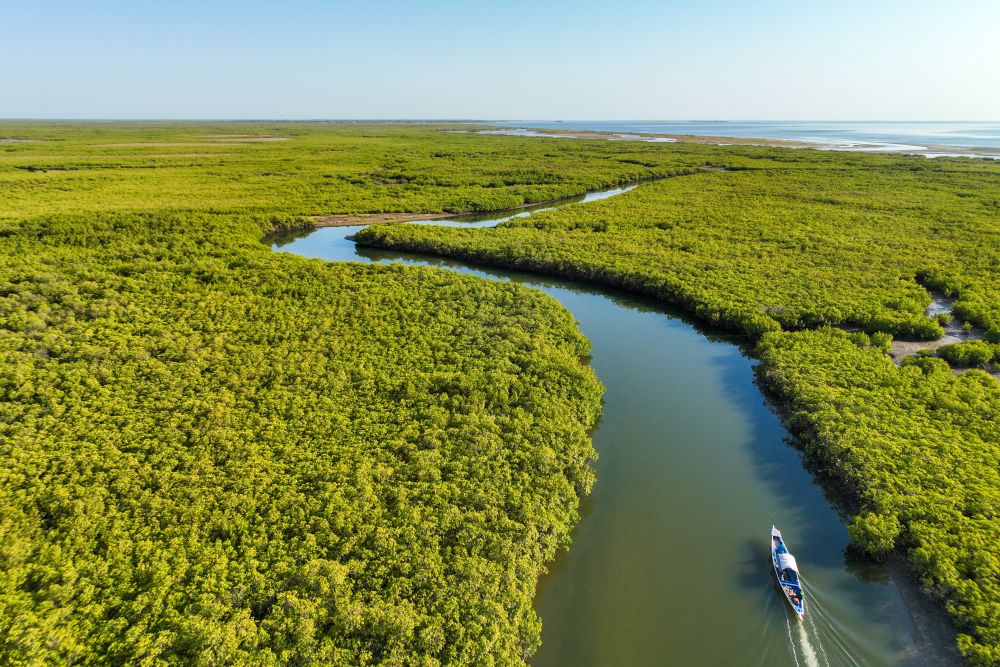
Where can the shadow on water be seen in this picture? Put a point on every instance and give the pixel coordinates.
(864, 569)
(755, 570)
(282, 239)
(776, 460)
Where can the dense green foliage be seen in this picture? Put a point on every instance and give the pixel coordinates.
(214, 454)
(802, 240)
(315, 169)
(817, 240)
(918, 448)
(217, 454)
(970, 353)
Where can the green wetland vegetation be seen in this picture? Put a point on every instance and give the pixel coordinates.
(787, 240)
(693, 469)
(796, 240)
(217, 454)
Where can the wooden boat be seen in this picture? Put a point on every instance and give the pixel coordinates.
(787, 572)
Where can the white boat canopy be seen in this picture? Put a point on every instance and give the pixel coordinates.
(787, 562)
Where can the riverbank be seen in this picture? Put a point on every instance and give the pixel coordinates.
(916, 444)
(846, 486)
(228, 383)
(280, 440)
(681, 420)
(930, 636)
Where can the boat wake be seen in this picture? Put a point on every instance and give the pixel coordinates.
(808, 652)
(817, 641)
(791, 641)
(802, 650)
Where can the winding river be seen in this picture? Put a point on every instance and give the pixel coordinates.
(669, 563)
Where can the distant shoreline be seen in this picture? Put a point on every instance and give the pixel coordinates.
(931, 150)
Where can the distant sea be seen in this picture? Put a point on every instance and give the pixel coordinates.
(851, 135)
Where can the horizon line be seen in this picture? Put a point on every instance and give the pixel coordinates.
(265, 119)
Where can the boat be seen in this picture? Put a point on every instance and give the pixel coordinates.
(787, 572)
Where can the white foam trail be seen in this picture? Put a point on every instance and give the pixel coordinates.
(808, 652)
(831, 637)
(815, 632)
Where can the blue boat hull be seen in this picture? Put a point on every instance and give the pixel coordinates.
(786, 572)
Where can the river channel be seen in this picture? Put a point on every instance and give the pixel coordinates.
(669, 564)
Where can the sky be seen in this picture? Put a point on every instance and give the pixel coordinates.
(384, 59)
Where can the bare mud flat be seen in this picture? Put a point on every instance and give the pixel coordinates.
(954, 332)
(908, 348)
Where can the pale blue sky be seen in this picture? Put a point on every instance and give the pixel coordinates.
(631, 59)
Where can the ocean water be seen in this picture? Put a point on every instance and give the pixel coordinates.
(932, 137)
